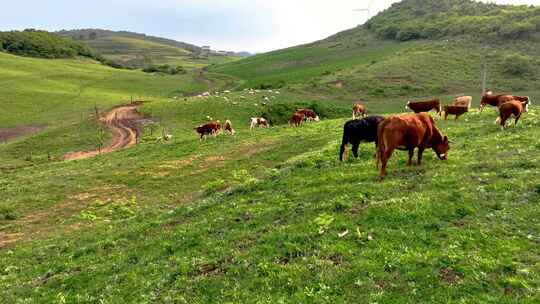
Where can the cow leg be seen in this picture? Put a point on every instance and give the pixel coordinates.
(411, 154)
(420, 152)
(355, 149)
(385, 156)
(516, 121)
(342, 150)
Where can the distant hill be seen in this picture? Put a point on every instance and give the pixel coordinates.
(140, 50)
(414, 48)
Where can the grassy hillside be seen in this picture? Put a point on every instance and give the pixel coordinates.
(139, 50)
(258, 217)
(362, 62)
(271, 215)
(61, 95)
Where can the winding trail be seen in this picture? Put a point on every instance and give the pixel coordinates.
(122, 121)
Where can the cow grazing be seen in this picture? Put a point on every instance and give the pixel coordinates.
(513, 107)
(258, 121)
(359, 130)
(454, 110)
(309, 115)
(424, 106)
(462, 101)
(358, 110)
(297, 119)
(211, 128)
(494, 100)
(227, 126)
(408, 132)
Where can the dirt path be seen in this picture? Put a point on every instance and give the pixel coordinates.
(7, 134)
(122, 122)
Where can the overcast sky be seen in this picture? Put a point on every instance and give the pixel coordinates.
(236, 25)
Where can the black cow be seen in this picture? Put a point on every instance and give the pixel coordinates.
(358, 130)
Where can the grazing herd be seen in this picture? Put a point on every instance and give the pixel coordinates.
(406, 132)
(410, 132)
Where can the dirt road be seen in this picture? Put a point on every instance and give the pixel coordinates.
(122, 122)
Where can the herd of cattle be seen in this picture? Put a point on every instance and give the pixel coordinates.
(214, 128)
(402, 132)
(418, 131)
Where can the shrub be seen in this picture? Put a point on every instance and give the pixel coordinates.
(517, 65)
(280, 112)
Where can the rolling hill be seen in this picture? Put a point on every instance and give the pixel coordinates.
(415, 48)
(140, 50)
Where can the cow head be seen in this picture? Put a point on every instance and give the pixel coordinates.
(442, 148)
(317, 118)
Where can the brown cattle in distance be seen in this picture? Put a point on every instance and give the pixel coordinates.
(513, 107)
(454, 110)
(408, 132)
(358, 110)
(424, 106)
(309, 115)
(462, 101)
(258, 121)
(494, 100)
(297, 119)
(211, 128)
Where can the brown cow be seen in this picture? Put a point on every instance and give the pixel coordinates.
(309, 115)
(358, 109)
(494, 100)
(408, 132)
(424, 106)
(454, 110)
(463, 101)
(296, 119)
(227, 126)
(211, 128)
(513, 107)
(258, 121)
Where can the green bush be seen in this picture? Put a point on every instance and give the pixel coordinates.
(280, 112)
(517, 65)
(165, 69)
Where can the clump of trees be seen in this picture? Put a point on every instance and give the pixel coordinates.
(42, 44)
(435, 19)
(165, 69)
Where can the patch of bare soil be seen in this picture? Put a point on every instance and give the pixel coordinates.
(450, 276)
(123, 123)
(7, 134)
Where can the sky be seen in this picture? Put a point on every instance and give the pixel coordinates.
(233, 25)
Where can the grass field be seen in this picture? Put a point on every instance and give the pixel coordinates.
(61, 96)
(269, 215)
(260, 218)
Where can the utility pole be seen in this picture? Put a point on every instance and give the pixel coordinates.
(484, 77)
(367, 9)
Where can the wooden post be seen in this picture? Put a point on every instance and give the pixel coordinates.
(97, 111)
(484, 77)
